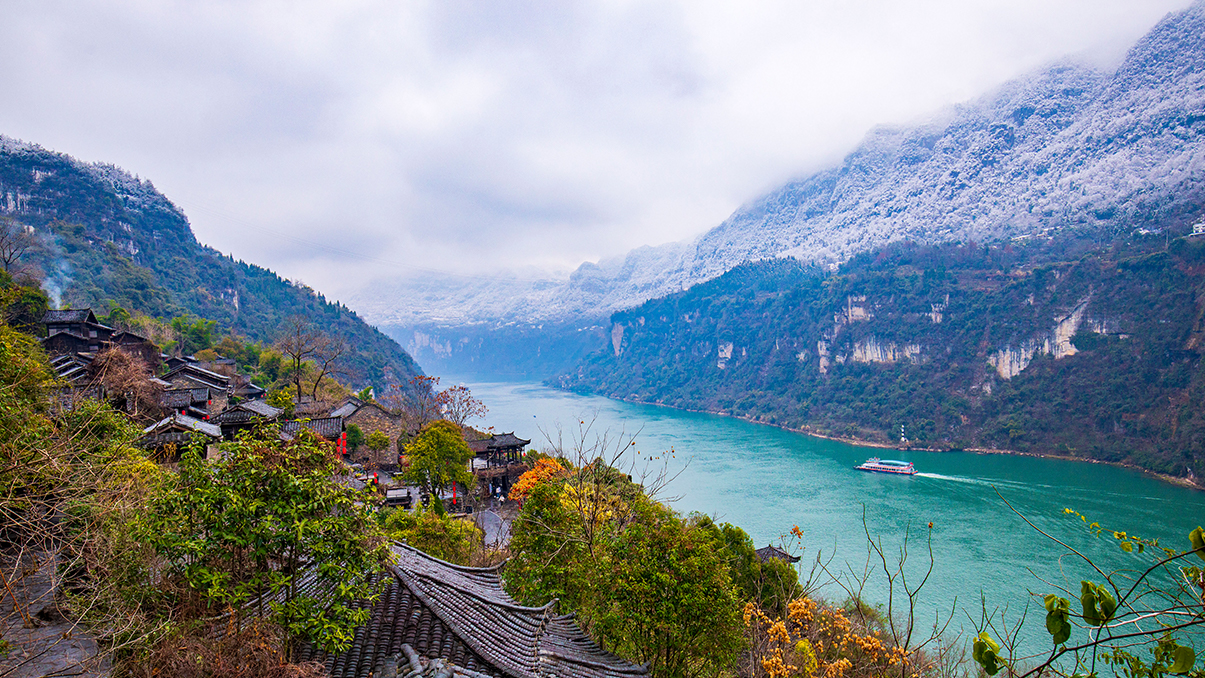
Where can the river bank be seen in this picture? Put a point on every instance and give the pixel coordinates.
(1179, 481)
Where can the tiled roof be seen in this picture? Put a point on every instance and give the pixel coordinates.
(348, 408)
(183, 421)
(462, 615)
(71, 367)
(183, 397)
(497, 441)
(69, 315)
(327, 427)
(212, 379)
(247, 412)
(774, 552)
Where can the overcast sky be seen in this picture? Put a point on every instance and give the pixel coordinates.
(336, 142)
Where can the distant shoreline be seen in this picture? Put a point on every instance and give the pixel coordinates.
(1173, 480)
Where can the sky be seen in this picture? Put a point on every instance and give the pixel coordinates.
(341, 143)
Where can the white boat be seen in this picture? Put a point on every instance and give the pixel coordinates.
(903, 468)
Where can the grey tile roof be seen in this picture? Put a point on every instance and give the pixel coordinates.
(497, 441)
(462, 615)
(327, 427)
(347, 409)
(183, 421)
(69, 315)
(212, 379)
(772, 551)
(184, 397)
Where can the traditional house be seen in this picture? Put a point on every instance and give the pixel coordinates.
(433, 616)
(245, 415)
(771, 551)
(498, 462)
(167, 438)
(371, 417)
(193, 402)
(190, 376)
(80, 322)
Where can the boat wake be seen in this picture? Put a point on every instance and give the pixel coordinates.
(977, 481)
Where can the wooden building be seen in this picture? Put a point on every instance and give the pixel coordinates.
(498, 462)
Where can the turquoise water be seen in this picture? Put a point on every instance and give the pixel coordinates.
(767, 480)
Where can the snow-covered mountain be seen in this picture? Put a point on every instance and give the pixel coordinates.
(1067, 147)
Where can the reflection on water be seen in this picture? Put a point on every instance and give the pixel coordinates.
(766, 480)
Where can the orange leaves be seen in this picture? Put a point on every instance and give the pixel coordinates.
(545, 469)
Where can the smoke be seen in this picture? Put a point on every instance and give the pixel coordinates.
(57, 271)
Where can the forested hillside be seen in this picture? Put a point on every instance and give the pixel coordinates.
(106, 238)
(1044, 346)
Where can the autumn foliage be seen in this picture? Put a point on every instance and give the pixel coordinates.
(815, 639)
(545, 469)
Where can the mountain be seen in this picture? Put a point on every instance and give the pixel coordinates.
(1046, 346)
(1067, 147)
(110, 238)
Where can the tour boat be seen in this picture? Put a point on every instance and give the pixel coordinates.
(903, 468)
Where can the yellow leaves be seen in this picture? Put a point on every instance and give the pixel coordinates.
(817, 640)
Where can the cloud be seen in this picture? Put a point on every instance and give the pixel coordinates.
(341, 142)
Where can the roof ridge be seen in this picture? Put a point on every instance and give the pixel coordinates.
(510, 606)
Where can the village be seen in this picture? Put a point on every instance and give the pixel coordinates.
(433, 618)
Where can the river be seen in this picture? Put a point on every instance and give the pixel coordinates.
(767, 480)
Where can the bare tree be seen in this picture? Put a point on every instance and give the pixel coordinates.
(299, 341)
(327, 358)
(15, 241)
(127, 384)
(419, 401)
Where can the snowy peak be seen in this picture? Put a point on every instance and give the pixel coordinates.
(1068, 146)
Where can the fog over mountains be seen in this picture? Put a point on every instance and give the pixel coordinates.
(1066, 147)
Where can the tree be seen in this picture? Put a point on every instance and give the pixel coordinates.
(355, 437)
(459, 405)
(376, 441)
(452, 539)
(15, 241)
(327, 358)
(260, 519)
(439, 457)
(126, 380)
(651, 586)
(299, 342)
(418, 401)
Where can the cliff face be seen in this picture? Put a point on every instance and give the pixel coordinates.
(108, 237)
(1020, 346)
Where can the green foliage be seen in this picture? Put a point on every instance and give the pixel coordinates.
(438, 457)
(652, 586)
(986, 652)
(452, 539)
(261, 518)
(1058, 618)
(282, 399)
(771, 585)
(193, 336)
(22, 306)
(355, 437)
(667, 599)
(377, 441)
